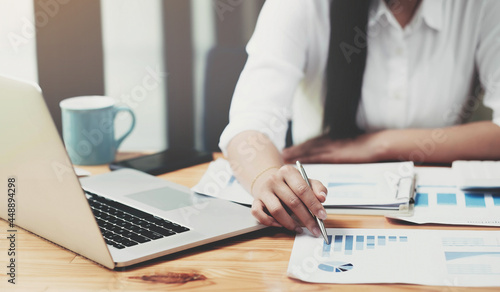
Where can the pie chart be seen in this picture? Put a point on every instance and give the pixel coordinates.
(336, 267)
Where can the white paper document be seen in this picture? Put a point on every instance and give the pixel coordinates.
(371, 185)
(424, 257)
(219, 181)
(386, 186)
(439, 200)
(475, 174)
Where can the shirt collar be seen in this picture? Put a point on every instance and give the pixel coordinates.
(377, 9)
(431, 12)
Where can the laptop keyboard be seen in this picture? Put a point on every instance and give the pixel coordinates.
(123, 226)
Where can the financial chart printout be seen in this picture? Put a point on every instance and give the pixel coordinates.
(425, 257)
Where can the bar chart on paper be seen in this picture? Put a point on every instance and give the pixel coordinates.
(347, 244)
(448, 205)
(456, 199)
(459, 258)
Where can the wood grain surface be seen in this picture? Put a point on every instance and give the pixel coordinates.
(252, 262)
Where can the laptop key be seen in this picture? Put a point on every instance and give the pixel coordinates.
(175, 227)
(117, 245)
(143, 223)
(162, 231)
(106, 217)
(113, 228)
(116, 220)
(116, 238)
(150, 234)
(128, 242)
(129, 218)
(126, 225)
(121, 231)
(180, 229)
(169, 225)
(136, 228)
(135, 237)
(139, 238)
(107, 234)
(104, 224)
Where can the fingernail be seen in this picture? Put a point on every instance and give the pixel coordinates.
(322, 215)
(316, 231)
(323, 194)
(298, 230)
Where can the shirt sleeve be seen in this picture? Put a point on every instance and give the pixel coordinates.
(488, 56)
(262, 100)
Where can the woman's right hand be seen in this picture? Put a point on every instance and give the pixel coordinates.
(279, 192)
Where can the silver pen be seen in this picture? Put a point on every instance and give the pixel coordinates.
(320, 222)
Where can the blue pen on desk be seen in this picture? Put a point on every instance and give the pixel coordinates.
(320, 222)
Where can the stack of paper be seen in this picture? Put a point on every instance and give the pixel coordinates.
(352, 188)
(380, 188)
(383, 186)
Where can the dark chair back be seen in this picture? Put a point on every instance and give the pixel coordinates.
(224, 65)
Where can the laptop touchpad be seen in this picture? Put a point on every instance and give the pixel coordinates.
(164, 199)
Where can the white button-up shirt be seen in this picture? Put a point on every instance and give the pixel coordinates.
(421, 76)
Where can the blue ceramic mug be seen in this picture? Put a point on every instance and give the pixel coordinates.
(89, 129)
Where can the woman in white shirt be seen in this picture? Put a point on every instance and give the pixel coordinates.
(415, 90)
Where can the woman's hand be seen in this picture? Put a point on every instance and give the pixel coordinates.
(278, 192)
(362, 149)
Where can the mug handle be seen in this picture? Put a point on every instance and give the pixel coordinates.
(119, 109)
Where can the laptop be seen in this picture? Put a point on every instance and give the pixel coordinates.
(116, 219)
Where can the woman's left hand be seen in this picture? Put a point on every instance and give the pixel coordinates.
(362, 149)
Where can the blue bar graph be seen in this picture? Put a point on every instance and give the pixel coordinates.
(474, 200)
(446, 199)
(496, 199)
(360, 242)
(337, 244)
(422, 200)
(370, 242)
(326, 247)
(348, 244)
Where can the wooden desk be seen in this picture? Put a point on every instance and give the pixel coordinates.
(252, 262)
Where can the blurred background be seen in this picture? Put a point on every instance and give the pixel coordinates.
(174, 62)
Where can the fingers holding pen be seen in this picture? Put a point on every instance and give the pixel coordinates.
(286, 189)
(304, 202)
(258, 211)
(319, 190)
(270, 195)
